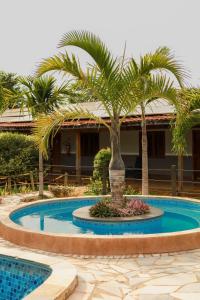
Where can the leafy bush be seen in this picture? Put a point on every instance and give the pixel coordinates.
(129, 190)
(18, 154)
(15, 189)
(101, 164)
(103, 209)
(106, 209)
(94, 187)
(61, 190)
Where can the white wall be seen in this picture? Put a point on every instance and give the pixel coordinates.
(129, 141)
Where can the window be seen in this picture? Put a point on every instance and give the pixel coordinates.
(89, 143)
(156, 144)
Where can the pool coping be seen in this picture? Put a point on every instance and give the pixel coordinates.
(91, 244)
(61, 282)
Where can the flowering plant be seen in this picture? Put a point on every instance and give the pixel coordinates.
(133, 207)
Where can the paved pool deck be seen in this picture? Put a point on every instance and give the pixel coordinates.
(144, 277)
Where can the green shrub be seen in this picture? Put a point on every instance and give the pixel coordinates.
(18, 154)
(61, 190)
(101, 161)
(101, 164)
(129, 190)
(103, 209)
(107, 209)
(94, 187)
(15, 189)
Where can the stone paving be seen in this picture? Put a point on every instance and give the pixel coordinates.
(149, 277)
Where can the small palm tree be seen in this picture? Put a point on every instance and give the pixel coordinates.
(41, 95)
(115, 83)
(188, 116)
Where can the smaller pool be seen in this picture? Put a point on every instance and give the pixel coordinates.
(19, 277)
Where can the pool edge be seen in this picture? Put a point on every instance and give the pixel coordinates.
(85, 244)
(55, 287)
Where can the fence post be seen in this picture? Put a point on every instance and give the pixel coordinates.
(173, 180)
(32, 181)
(65, 178)
(104, 187)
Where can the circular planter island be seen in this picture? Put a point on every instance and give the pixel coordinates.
(83, 213)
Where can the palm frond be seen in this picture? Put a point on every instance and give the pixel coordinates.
(127, 82)
(159, 86)
(41, 95)
(93, 45)
(163, 59)
(188, 116)
(61, 63)
(180, 129)
(46, 127)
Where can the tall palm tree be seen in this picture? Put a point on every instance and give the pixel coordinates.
(41, 95)
(114, 82)
(162, 60)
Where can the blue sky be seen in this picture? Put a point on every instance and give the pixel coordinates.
(30, 29)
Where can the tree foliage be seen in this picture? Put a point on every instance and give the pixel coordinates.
(118, 84)
(187, 116)
(101, 163)
(9, 86)
(41, 95)
(9, 81)
(18, 154)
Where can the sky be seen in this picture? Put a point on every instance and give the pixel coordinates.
(31, 29)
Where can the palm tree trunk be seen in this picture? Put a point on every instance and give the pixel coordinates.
(180, 173)
(116, 166)
(145, 167)
(41, 179)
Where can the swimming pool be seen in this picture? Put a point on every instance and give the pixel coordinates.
(49, 225)
(56, 217)
(18, 277)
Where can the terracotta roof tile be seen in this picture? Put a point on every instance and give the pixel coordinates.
(82, 122)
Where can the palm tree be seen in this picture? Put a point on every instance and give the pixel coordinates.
(188, 116)
(160, 61)
(41, 95)
(114, 82)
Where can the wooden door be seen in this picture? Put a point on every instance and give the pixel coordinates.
(196, 154)
(89, 143)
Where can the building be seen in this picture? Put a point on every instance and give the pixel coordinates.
(78, 141)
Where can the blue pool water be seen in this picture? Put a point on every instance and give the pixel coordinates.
(57, 217)
(18, 277)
